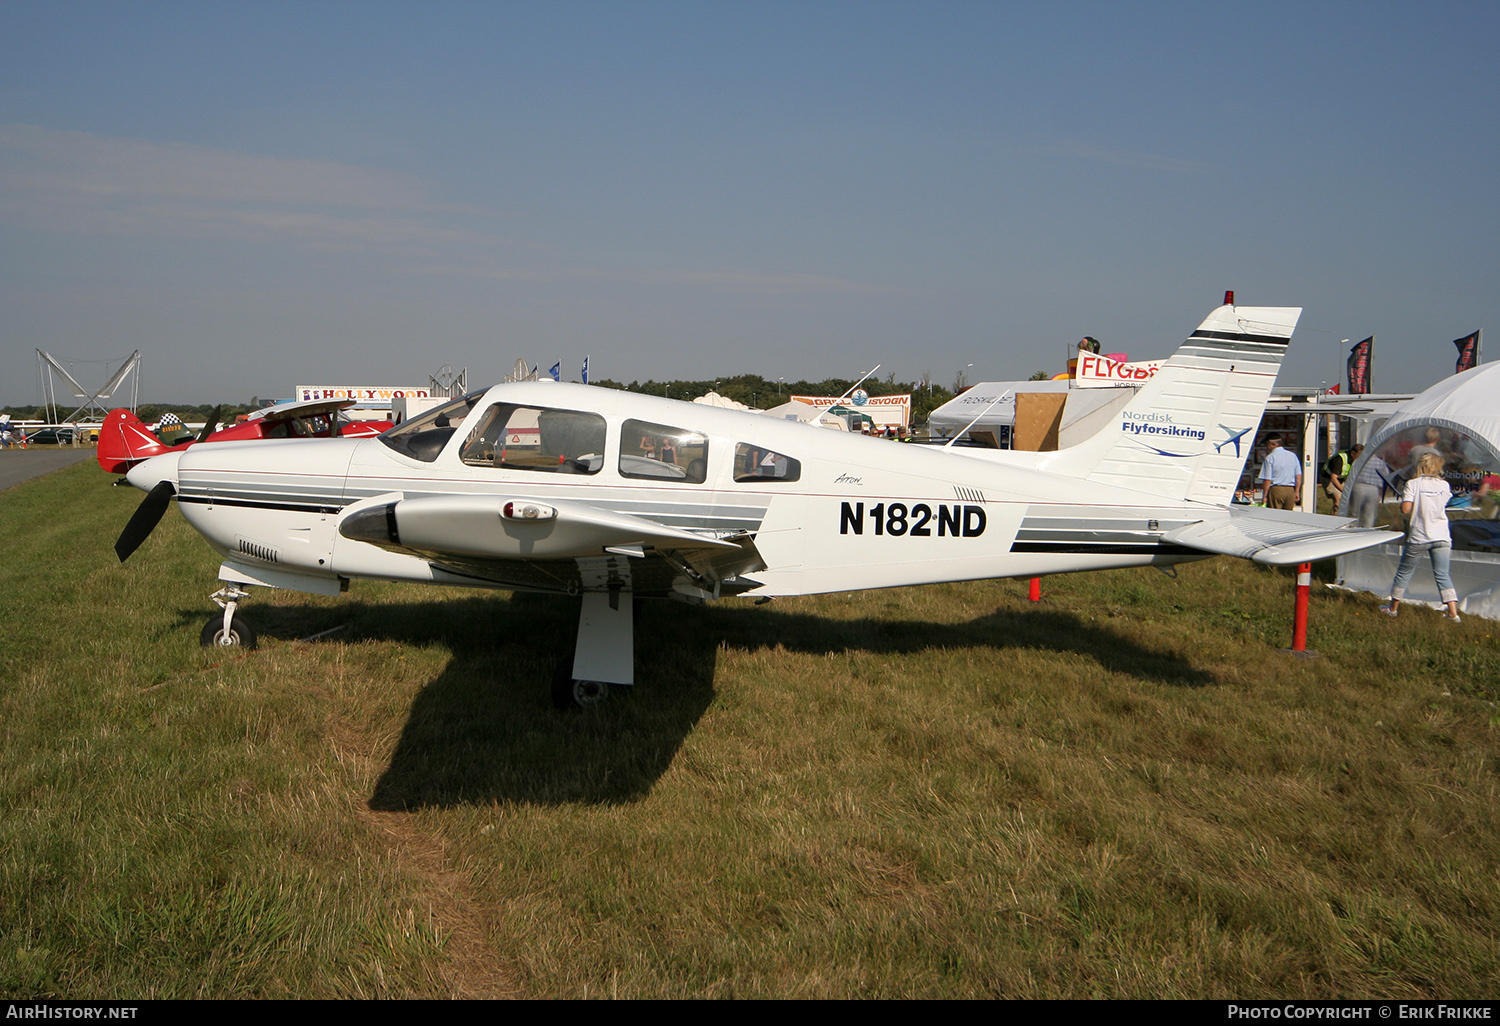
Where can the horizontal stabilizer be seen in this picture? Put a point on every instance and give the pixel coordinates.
(1277, 537)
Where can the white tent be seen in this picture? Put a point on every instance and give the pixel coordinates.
(807, 414)
(723, 402)
(993, 402)
(1460, 416)
(1085, 411)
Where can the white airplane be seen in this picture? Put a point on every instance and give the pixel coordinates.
(614, 496)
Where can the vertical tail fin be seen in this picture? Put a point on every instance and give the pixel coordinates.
(124, 441)
(1188, 431)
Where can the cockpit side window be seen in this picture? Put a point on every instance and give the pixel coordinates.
(662, 453)
(754, 463)
(532, 438)
(423, 437)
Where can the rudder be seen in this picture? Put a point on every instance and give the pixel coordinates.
(124, 440)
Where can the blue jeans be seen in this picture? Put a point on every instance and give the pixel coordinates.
(1442, 556)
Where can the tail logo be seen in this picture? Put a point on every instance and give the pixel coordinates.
(1234, 436)
(1158, 425)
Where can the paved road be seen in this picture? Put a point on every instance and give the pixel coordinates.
(17, 465)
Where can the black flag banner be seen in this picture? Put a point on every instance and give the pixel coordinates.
(1359, 366)
(1468, 352)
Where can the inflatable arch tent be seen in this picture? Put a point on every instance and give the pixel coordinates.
(1460, 417)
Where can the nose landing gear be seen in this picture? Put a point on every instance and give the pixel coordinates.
(228, 630)
(571, 693)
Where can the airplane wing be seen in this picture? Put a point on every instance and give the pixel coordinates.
(303, 408)
(1277, 537)
(523, 542)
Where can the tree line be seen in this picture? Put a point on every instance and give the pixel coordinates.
(762, 393)
(753, 390)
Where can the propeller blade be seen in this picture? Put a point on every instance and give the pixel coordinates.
(212, 424)
(147, 515)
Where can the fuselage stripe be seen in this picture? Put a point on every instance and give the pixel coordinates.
(1241, 336)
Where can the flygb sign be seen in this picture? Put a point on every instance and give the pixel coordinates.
(1096, 371)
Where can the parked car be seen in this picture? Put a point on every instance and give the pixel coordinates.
(51, 436)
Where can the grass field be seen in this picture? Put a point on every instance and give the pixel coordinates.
(1124, 791)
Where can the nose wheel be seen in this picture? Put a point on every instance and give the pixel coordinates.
(228, 629)
(568, 692)
(238, 634)
(604, 655)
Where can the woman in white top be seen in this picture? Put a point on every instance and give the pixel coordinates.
(1425, 501)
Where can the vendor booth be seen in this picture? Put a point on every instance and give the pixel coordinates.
(989, 410)
(1459, 418)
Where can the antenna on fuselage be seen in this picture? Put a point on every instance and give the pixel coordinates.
(847, 393)
(850, 390)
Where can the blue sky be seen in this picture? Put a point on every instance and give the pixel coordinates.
(261, 195)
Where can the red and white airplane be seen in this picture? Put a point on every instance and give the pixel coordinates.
(124, 440)
(615, 496)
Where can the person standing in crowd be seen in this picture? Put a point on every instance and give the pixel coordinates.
(1487, 497)
(1425, 501)
(1368, 489)
(1432, 443)
(1281, 473)
(1339, 465)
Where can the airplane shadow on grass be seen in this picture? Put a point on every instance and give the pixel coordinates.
(485, 730)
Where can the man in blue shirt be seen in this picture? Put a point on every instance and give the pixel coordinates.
(1281, 473)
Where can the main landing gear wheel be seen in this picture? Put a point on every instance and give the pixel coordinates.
(568, 693)
(239, 635)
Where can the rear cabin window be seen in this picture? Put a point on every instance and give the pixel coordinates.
(513, 437)
(662, 453)
(754, 463)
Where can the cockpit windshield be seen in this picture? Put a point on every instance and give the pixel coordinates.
(423, 437)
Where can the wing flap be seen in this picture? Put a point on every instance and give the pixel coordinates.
(1277, 538)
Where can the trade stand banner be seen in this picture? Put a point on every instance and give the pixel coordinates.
(893, 410)
(363, 393)
(1095, 371)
